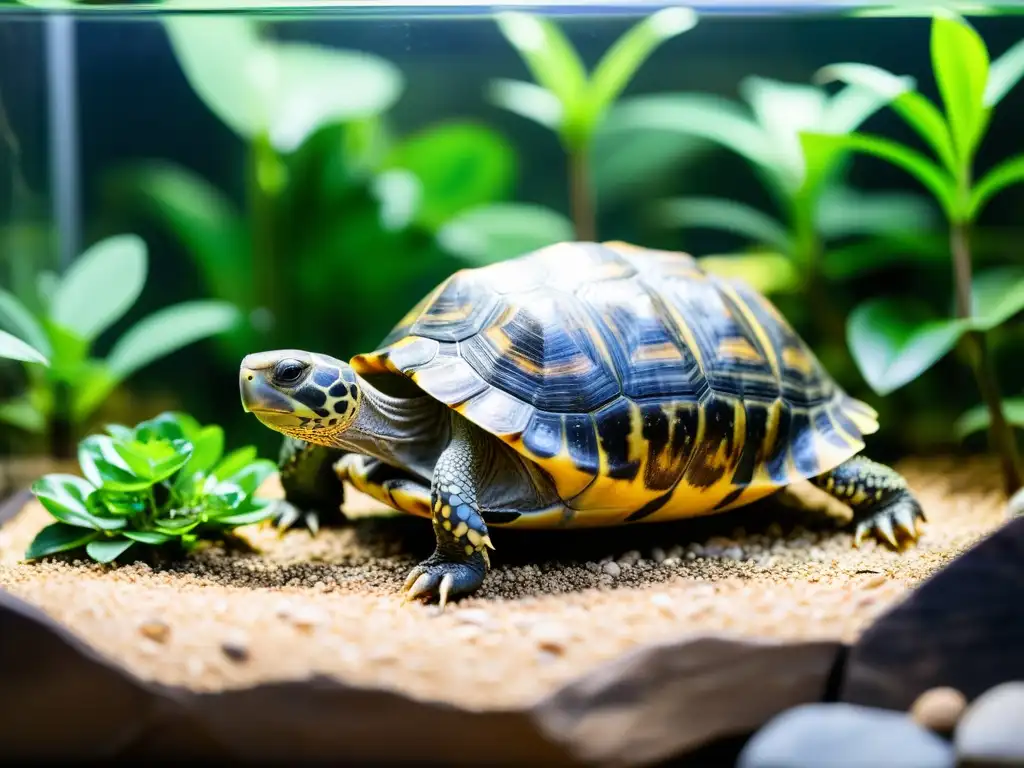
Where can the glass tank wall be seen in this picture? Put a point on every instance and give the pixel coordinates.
(182, 186)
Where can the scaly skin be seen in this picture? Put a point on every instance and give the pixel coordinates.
(311, 486)
(882, 504)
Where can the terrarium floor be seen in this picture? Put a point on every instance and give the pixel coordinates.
(554, 606)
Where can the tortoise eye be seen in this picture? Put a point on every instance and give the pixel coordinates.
(288, 371)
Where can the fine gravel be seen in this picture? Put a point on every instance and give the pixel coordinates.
(555, 604)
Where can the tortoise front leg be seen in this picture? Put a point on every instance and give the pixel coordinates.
(459, 562)
(882, 503)
(311, 486)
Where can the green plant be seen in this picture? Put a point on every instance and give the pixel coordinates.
(568, 100)
(895, 341)
(96, 291)
(819, 222)
(13, 348)
(165, 482)
(338, 210)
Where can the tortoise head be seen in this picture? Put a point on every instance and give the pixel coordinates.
(305, 395)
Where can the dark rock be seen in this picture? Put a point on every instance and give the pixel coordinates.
(963, 628)
(991, 731)
(845, 736)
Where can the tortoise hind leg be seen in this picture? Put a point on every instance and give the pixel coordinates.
(311, 487)
(388, 485)
(882, 504)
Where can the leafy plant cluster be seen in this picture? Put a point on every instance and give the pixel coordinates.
(165, 482)
(895, 340)
(54, 332)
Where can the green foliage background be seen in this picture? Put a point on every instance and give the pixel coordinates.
(320, 173)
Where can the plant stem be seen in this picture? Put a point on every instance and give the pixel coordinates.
(580, 198)
(1001, 436)
(61, 432)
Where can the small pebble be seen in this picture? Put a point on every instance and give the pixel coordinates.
(939, 709)
(991, 731)
(155, 630)
(875, 580)
(612, 569)
(844, 736)
(235, 649)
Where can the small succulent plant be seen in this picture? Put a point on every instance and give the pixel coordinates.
(166, 481)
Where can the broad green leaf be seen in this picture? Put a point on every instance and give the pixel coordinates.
(18, 320)
(209, 446)
(551, 60)
(105, 468)
(622, 61)
(316, 85)
(695, 114)
(234, 462)
(851, 106)
(634, 163)
(1010, 171)
(893, 341)
(153, 538)
(67, 498)
(222, 497)
(843, 212)
(784, 110)
(107, 550)
(100, 286)
(252, 477)
(527, 100)
(496, 232)
(13, 348)
(824, 148)
(977, 418)
(124, 504)
(1005, 72)
(960, 63)
(251, 517)
(198, 215)
(768, 273)
(154, 461)
(284, 90)
(997, 294)
(168, 330)
(120, 432)
(169, 425)
(58, 537)
(727, 215)
(21, 413)
(915, 108)
(459, 165)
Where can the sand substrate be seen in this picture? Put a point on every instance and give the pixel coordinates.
(555, 604)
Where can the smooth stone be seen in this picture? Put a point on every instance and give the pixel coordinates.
(844, 736)
(991, 731)
(939, 709)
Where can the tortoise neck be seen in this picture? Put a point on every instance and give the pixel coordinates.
(406, 432)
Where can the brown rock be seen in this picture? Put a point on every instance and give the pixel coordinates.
(939, 709)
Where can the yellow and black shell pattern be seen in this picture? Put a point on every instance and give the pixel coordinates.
(647, 388)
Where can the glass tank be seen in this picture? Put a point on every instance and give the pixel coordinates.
(606, 381)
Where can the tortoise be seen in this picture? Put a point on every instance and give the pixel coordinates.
(579, 384)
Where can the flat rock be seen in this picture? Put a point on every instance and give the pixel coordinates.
(991, 731)
(963, 628)
(844, 736)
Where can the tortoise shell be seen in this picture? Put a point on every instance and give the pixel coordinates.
(647, 388)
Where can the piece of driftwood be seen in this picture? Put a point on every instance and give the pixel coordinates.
(962, 627)
(60, 698)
